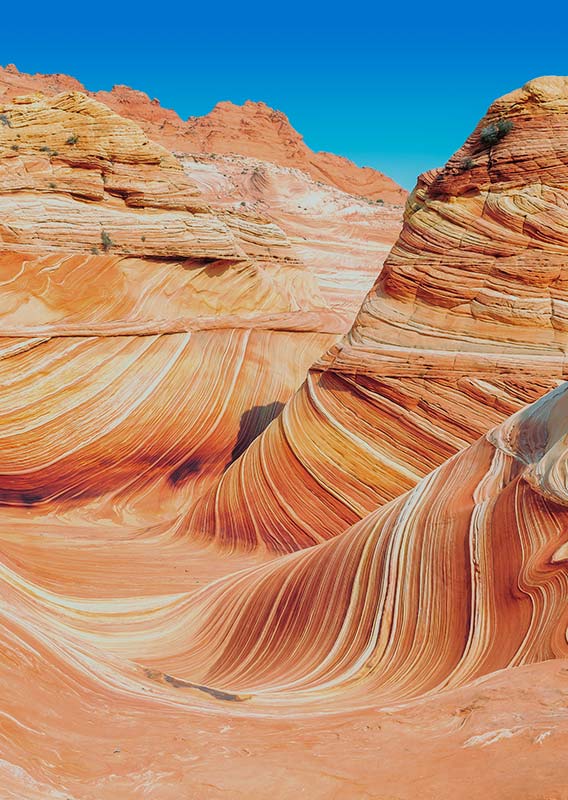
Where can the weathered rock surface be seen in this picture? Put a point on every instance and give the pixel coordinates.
(431, 635)
(342, 240)
(124, 295)
(153, 637)
(465, 324)
(463, 575)
(253, 129)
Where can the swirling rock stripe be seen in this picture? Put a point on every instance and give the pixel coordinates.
(142, 420)
(463, 575)
(465, 324)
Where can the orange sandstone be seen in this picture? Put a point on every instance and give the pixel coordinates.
(153, 638)
(253, 129)
(465, 324)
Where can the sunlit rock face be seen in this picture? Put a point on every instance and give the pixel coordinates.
(463, 575)
(342, 240)
(150, 337)
(157, 639)
(465, 324)
(435, 628)
(253, 129)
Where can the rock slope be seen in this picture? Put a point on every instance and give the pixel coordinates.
(253, 129)
(123, 290)
(156, 636)
(465, 324)
(434, 630)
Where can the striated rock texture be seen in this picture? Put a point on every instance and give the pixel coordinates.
(463, 575)
(253, 129)
(465, 324)
(129, 304)
(341, 239)
(157, 637)
(399, 631)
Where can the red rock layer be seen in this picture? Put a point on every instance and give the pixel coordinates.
(253, 129)
(466, 324)
(400, 628)
(423, 650)
(127, 306)
(341, 239)
(464, 575)
(78, 725)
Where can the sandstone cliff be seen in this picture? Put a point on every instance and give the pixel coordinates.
(465, 324)
(123, 290)
(252, 129)
(156, 313)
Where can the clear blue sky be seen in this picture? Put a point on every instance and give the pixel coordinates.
(394, 85)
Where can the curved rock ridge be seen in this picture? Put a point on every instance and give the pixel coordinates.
(145, 649)
(465, 324)
(495, 734)
(135, 426)
(419, 629)
(342, 240)
(143, 332)
(463, 575)
(90, 208)
(253, 129)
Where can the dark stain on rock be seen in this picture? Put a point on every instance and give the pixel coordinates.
(184, 470)
(216, 693)
(14, 497)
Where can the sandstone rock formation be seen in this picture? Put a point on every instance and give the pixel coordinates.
(463, 575)
(255, 129)
(342, 240)
(427, 630)
(368, 597)
(122, 289)
(465, 324)
(252, 129)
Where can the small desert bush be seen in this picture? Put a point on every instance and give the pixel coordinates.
(106, 241)
(495, 131)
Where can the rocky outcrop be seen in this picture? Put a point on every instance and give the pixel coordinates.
(253, 129)
(155, 634)
(463, 575)
(465, 324)
(435, 628)
(122, 293)
(77, 178)
(342, 240)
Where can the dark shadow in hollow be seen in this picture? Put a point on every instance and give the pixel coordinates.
(184, 470)
(252, 424)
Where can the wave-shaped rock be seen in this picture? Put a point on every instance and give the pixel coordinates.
(123, 293)
(422, 650)
(464, 326)
(463, 575)
(428, 628)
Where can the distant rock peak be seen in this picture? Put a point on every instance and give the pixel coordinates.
(252, 129)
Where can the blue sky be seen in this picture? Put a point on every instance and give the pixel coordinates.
(397, 86)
